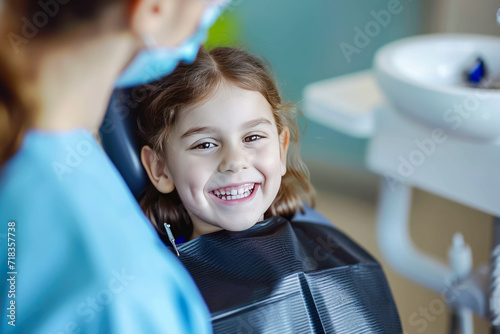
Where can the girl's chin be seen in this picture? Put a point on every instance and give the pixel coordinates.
(238, 227)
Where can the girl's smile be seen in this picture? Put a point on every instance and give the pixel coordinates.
(226, 159)
(236, 195)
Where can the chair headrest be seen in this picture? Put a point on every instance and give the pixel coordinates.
(121, 141)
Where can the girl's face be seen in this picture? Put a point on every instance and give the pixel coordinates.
(226, 160)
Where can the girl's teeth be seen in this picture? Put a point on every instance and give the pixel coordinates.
(232, 194)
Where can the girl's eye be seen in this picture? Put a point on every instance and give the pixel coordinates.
(204, 146)
(253, 138)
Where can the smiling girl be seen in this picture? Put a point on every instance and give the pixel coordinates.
(221, 151)
(217, 136)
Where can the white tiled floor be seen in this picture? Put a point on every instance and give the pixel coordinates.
(433, 222)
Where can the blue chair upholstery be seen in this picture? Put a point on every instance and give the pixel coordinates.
(120, 140)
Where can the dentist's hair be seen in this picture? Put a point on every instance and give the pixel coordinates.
(191, 84)
(17, 101)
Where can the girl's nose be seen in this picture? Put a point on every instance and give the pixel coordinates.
(233, 160)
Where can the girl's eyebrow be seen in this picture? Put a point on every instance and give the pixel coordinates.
(209, 129)
(199, 129)
(253, 123)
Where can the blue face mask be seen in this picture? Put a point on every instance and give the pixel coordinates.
(154, 63)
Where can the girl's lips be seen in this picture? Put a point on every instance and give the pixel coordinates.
(234, 189)
(239, 200)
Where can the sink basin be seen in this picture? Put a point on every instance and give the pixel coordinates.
(422, 77)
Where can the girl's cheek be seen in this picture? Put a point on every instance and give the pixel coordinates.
(269, 154)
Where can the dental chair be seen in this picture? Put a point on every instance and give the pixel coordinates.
(121, 141)
(299, 298)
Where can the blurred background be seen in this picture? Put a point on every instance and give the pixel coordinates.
(302, 42)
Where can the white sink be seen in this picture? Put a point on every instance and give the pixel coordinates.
(422, 77)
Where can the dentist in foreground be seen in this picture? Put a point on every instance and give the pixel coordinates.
(77, 254)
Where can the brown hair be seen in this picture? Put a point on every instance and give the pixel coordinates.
(193, 83)
(16, 100)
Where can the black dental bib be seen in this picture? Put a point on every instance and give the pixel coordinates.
(282, 277)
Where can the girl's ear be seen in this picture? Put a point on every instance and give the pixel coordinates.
(284, 142)
(157, 171)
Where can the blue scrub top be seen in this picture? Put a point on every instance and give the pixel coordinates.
(86, 258)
